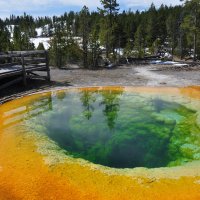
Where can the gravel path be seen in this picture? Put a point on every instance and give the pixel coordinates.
(126, 75)
(123, 76)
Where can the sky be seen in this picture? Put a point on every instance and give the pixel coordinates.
(57, 7)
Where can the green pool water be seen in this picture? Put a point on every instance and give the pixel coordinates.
(119, 129)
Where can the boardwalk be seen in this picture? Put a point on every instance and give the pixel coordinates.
(18, 66)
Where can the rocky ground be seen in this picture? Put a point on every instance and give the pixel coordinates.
(125, 75)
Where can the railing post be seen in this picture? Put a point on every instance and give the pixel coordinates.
(23, 70)
(47, 66)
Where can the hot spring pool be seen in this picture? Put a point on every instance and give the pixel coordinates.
(91, 139)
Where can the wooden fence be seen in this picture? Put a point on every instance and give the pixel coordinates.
(18, 66)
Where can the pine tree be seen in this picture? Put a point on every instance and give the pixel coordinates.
(40, 46)
(109, 11)
(17, 39)
(21, 40)
(4, 38)
(161, 25)
(140, 42)
(84, 21)
(56, 49)
(63, 48)
(95, 46)
(191, 21)
(172, 24)
(152, 29)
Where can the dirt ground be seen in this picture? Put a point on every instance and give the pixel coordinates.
(125, 75)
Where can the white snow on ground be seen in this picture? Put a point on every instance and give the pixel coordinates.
(45, 42)
(169, 62)
(180, 64)
(39, 31)
(167, 55)
(35, 41)
(11, 29)
(160, 62)
(120, 51)
(155, 62)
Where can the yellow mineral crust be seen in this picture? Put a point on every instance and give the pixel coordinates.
(25, 174)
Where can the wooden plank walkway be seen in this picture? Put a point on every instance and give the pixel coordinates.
(21, 65)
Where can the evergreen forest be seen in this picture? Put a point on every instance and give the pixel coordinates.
(107, 35)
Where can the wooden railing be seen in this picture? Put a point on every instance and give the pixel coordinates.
(21, 65)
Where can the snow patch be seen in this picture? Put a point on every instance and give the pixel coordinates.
(160, 62)
(11, 29)
(44, 41)
(39, 32)
(180, 64)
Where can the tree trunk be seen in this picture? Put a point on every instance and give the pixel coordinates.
(195, 46)
(195, 37)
